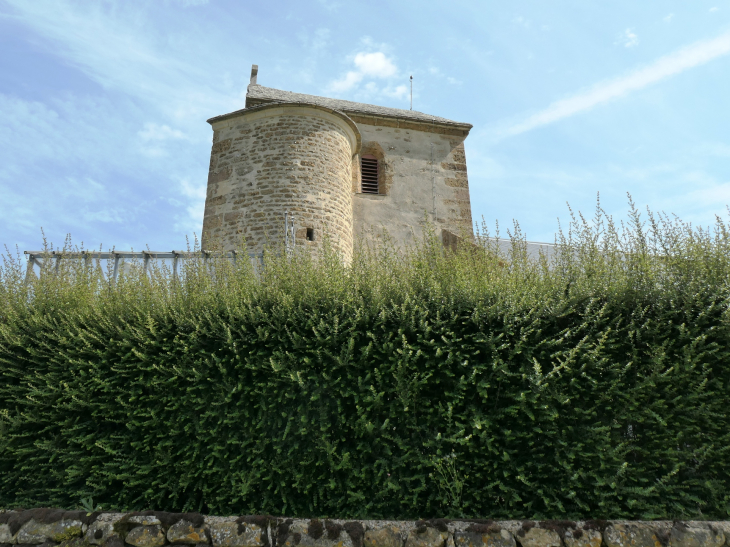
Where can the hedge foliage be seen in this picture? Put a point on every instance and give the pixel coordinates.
(476, 383)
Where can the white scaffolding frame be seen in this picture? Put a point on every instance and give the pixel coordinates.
(38, 258)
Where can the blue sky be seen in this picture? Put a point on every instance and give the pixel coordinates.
(103, 102)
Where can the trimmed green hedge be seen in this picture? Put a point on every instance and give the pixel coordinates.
(476, 384)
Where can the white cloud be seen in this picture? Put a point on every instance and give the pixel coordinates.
(155, 132)
(104, 215)
(398, 92)
(628, 38)
(668, 18)
(367, 65)
(454, 81)
(664, 67)
(350, 80)
(375, 64)
(188, 3)
(153, 137)
(714, 9)
(195, 209)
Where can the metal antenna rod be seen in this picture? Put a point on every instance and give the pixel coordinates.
(411, 92)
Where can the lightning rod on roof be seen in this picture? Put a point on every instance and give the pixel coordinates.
(411, 92)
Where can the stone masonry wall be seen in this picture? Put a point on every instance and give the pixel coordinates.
(423, 171)
(264, 163)
(51, 528)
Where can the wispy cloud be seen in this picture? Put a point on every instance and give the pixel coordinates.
(63, 151)
(195, 192)
(668, 18)
(664, 67)
(114, 47)
(329, 5)
(397, 92)
(714, 9)
(521, 21)
(156, 132)
(628, 38)
(188, 3)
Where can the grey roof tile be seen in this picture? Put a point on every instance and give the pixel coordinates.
(258, 93)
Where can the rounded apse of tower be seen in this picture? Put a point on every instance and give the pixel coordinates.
(278, 157)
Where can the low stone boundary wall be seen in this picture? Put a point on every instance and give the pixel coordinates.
(52, 527)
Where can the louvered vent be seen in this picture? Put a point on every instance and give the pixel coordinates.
(369, 170)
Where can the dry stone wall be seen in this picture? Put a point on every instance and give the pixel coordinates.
(277, 158)
(57, 528)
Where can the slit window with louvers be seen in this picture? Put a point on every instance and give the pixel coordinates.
(369, 172)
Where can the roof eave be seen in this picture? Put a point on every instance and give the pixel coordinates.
(254, 101)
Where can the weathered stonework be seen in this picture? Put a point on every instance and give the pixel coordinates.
(146, 536)
(38, 527)
(501, 538)
(696, 535)
(232, 534)
(383, 537)
(184, 532)
(630, 535)
(423, 178)
(304, 534)
(539, 537)
(301, 153)
(277, 158)
(430, 537)
(583, 538)
(34, 533)
(102, 529)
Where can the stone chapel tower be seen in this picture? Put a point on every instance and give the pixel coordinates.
(337, 167)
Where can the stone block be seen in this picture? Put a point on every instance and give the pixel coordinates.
(539, 537)
(583, 538)
(315, 534)
(184, 532)
(5, 535)
(219, 176)
(231, 534)
(144, 520)
(430, 537)
(383, 537)
(75, 542)
(630, 535)
(448, 166)
(114, 541)
(35, 533)
(99, 531)
(500, 538)
(695, 535)
(146, 536)
(221, 146)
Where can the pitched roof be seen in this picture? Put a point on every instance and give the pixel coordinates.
(258, 94)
